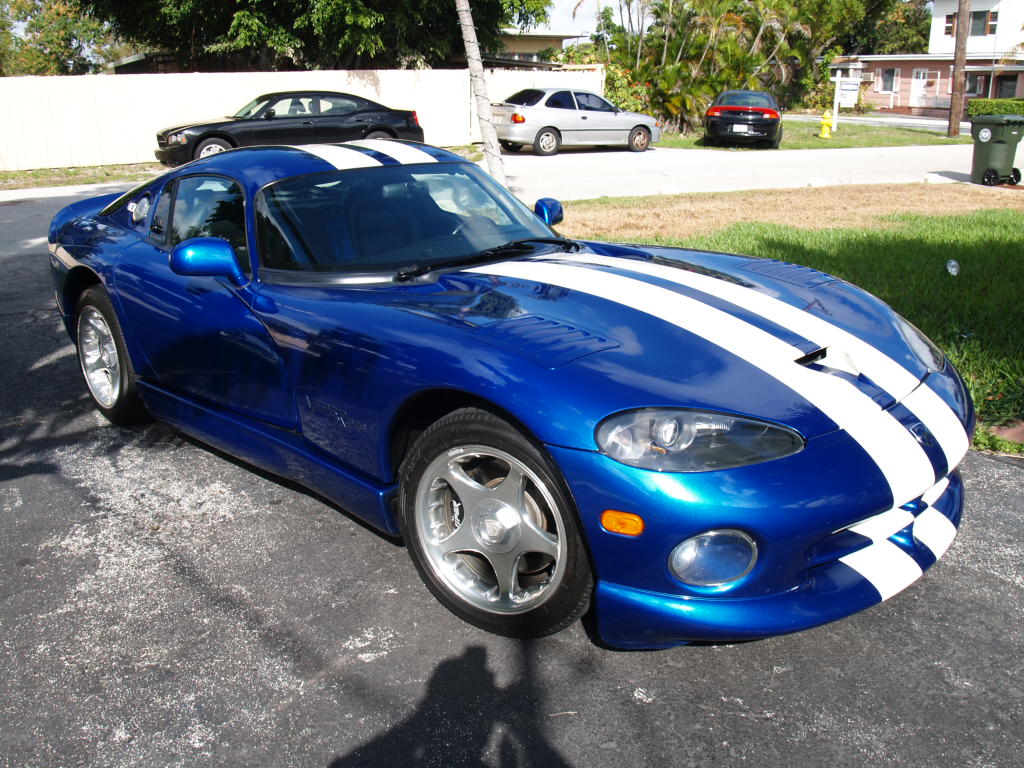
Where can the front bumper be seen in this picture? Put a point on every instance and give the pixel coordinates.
(829, 543)
(177, 154)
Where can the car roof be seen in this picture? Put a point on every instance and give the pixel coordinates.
(258, 166)
(308, 91)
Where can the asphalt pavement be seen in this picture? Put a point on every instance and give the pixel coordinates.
(164, 605)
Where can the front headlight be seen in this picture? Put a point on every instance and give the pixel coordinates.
(923, 347)
(176, 138)
(678, 440)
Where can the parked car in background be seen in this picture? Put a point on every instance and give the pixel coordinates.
(289, 117)
(744, 116)
(547, 119)
(704, 446)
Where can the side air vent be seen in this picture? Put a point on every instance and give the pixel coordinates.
(546, 342)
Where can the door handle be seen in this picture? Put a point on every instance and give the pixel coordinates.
(583, 117)
(307, 122)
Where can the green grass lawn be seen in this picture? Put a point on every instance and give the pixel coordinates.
(977, 317)
(804, 135)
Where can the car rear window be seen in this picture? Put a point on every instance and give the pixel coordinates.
(526, 98)
(745, 99)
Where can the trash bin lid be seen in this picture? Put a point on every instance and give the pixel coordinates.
(998, 119)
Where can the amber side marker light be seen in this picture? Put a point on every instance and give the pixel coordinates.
(625, 523)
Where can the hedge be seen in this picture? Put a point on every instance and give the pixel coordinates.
(995, 107)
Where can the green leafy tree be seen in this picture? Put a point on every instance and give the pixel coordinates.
(7, 43)
(312, 34)
(57, 38)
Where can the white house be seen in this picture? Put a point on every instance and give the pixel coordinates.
(922, 83)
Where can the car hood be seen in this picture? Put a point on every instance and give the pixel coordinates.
(197, 125)
(635, 327)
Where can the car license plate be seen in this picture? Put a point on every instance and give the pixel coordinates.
(740, 128)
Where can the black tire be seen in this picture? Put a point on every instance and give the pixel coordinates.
(104, 360)
(547, 142)
(508, 146)
(462, 525)
(709, 142)
(1015, 176)
(208, 147)
(990, 178)
(639, 139)
(778, 140)
(378, 135)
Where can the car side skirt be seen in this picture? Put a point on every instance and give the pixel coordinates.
(279, 451)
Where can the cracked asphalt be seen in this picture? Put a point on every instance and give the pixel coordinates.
(164, 605)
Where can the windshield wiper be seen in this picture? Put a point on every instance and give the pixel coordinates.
(513, 248)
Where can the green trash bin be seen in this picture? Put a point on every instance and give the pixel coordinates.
(995, 144)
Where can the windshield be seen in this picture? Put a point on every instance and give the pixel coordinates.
(252, 108)
(385, 218)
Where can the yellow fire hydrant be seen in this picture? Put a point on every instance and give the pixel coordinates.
(826, 125)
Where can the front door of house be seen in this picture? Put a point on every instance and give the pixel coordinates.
(919, 88)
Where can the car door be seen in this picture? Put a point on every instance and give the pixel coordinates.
(289, 119)
(601, 123)
(560, 111)
(198, 335)
(342, 118)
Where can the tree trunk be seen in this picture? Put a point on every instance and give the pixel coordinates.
(492, 150)
(956, 102)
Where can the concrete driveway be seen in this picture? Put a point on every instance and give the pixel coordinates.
(581, 174)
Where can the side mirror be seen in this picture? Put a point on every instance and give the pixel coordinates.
(206, 257)
(549, 210)
(269, 114)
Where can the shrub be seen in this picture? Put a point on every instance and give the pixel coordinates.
(995, 107)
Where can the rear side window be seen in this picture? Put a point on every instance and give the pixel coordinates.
(526, 98)
(561, 100)
(209, 206)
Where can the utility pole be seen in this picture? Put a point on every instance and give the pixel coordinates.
(492, 151)
(956, 102)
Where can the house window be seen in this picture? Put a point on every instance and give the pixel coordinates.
(975, 84)
(889, 77)
(983, 23)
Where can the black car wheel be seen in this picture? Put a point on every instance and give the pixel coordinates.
(547, 142)
(708, 141)
(491, 528)
(104, 359)
(378, 135)
(990, 178)
(774, 144)
(208, 147)
(508, 146)
(1015, 176)
(639, 139)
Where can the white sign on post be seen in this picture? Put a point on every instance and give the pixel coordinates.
(847, 90)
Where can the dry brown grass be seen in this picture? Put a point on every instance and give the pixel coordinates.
(683, 216)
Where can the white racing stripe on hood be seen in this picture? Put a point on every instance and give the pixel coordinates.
(894, 450)
(403, 153)
(885, 372)
(342, 159)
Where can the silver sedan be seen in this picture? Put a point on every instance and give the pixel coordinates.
(550, 118)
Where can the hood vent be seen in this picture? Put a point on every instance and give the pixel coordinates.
(547, 342)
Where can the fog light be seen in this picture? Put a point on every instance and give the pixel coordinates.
(713, 558)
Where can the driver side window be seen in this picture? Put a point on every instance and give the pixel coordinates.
(209, 206)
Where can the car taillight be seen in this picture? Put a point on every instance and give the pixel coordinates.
(766, 112)
(415, 120)
(517, 118)
(771, 114)
(714, 112)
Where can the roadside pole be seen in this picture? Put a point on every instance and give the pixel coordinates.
(845, 95)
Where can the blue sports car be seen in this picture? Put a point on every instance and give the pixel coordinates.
(694, 445)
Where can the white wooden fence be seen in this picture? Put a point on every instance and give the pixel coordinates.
(54, 122)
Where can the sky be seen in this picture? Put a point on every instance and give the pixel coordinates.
(562, 20)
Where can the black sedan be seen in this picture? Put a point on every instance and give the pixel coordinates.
(292, 117)
(743, 116)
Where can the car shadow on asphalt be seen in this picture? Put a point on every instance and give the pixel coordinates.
(465, 719)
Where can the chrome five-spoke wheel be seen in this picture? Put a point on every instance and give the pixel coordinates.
(490, 526)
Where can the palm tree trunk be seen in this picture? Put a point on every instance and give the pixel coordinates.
(492, 151)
